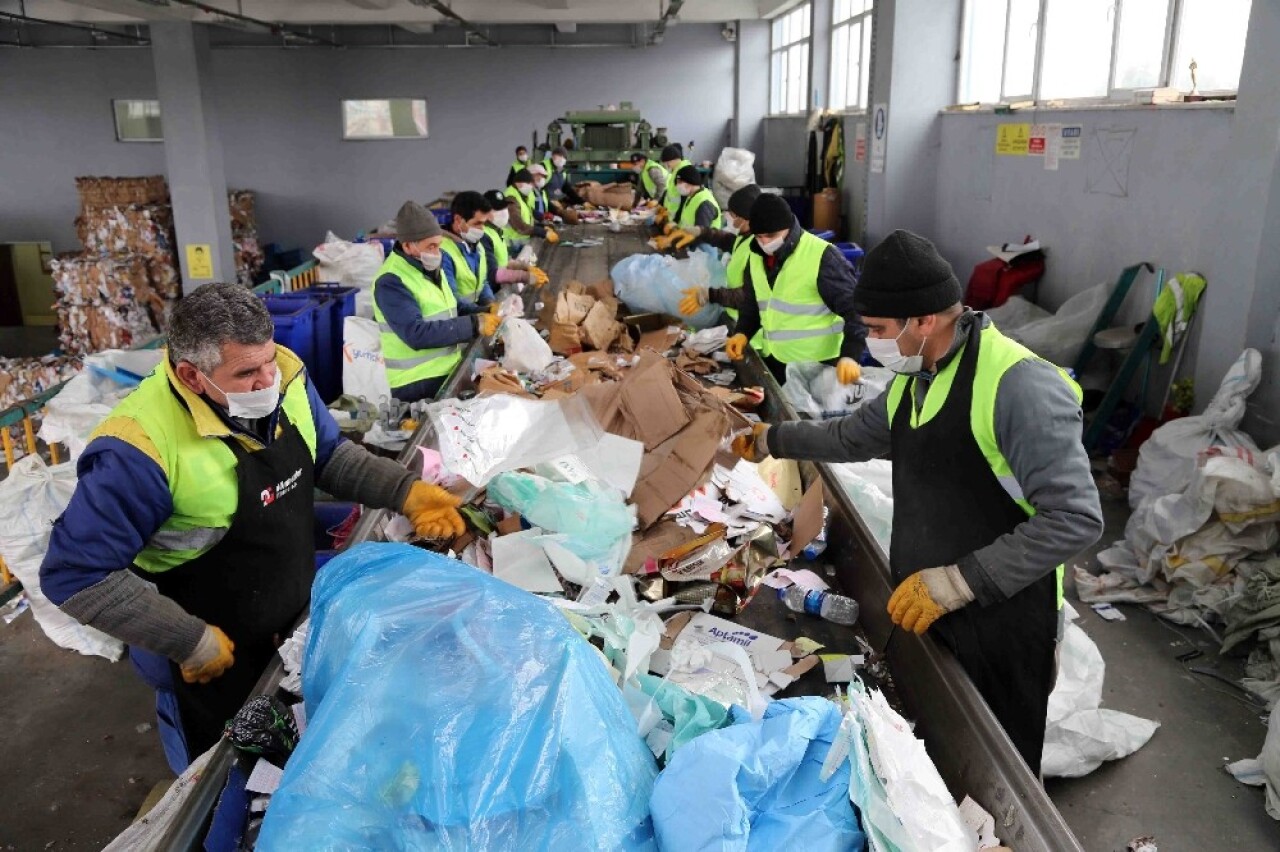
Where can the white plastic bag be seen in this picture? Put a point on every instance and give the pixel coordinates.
(1167, 459)
(735, 168)
(31, 498)
(526, 351)
(348, 264)
(88, 398)
(814, 389)
(869, 486)
(363, 373)
(1016, 313)
(1060, 337)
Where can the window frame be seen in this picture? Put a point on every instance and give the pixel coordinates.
(115, 119)
(347, 137)
(1169, 51)
(805, 42)
(866, 20)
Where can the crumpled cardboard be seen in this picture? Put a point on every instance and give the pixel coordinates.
(498, 380)
(600, 327)
(565, 338)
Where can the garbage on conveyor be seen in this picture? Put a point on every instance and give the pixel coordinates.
(652, 282)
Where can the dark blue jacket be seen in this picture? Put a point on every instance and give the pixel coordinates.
(400, 309)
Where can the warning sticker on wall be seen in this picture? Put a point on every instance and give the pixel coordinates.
(1036, 144)
(1012, 140)
(860, 142)
(199, 260)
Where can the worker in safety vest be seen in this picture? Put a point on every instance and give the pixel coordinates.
(465, 262)
(798, 295)
(539, 202)
(190, 536)
(520, 163)
(698, 210)
(991, 484)
(523, 225)
(424, 326)
(673, 161)
(652, 178)
(734, 239)
(502, 268)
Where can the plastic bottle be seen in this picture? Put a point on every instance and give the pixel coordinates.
(837, 609)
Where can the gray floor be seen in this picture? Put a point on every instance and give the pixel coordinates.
(27, 341)
(1175, 787)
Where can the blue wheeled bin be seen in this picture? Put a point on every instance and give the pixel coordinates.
(336, 304)
(295, 325)
(853, 253)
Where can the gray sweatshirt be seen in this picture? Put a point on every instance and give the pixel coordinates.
(1038, 427)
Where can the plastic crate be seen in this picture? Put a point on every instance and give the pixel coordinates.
(295, 321)
(852, 252)
(823, 235)
(336, 304)
(443, 215)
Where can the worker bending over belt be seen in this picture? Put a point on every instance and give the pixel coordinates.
(735, 240)
(559, 189)
(798, 295)
(464, 261)
(190, 533)
(652, 178)
(673, 161)
(524, 225)
(424, 327)
(991, 484)
(520, 163)
(502, 269)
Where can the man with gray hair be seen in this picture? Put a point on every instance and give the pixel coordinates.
(190, 533)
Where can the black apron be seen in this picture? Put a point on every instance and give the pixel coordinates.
(948, 503)
(254, 583)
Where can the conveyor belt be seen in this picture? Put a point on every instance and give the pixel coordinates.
(970, 749)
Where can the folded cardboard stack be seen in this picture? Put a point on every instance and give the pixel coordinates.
(585, 318)
(104, 302)
(23, 378)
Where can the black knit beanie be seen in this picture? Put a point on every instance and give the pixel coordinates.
(671, 152)
(742, 199)
(903, 277)
(771, 214)
(690, 175)
(522, 176)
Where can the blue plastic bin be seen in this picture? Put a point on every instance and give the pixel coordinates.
(328, 516)
(443, 215)
(295, 321)
(823, 235)
(852, 252)
(336, 304)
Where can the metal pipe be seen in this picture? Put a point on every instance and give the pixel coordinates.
(660, 31)
(470, 28)
(274, 29)
(27, 19)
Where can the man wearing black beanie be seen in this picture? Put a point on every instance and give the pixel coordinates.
(734, 239)
(799, 294)
(673, 161)
(991, 483)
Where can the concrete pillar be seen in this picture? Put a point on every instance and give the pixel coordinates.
(192, 149)
(820, 56)
(1242, 258)
(751, 86)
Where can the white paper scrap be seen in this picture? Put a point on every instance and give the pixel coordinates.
(265, 777)
(616, 461)
(522, 562)
(981, 823)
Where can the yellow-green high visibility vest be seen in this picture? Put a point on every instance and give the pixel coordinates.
(182, 434)
(673, 199)
(501, 251)
(688, 213)
(405, 364)
(795, 324)
(646, 180)
(468, 283)
(526, 211)
(736, 270)
(996, 356)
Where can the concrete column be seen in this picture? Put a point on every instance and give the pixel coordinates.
(192, 147)
(751, 86)
(1241, 307)
(820, 56)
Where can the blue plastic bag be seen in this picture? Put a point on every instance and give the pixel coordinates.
(449, 710)
(652, 282)
(756, 786)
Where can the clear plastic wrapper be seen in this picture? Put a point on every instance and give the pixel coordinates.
(526, 351)
(652, 282)
(448, 710)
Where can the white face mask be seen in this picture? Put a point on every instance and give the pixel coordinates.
(771, 246)
(523, 158)
(502, 218)
(887, 352)
(430, 262)
(684, 189)
(524, 188)
(473, 235)
(558, 162)
(638, 168)
(250, 405)
(539, 182)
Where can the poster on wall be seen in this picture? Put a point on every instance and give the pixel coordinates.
(1012, 140)
(860, 142)
(879, 129)
(1036, 144)
(1061, 143)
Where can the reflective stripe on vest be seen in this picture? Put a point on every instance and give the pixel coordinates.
(405, 364)
(996, 356)
(526, 213)
(467, 281)
(200, 469)
(796, 325)
(688, 215)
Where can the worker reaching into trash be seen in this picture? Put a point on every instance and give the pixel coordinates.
(464, 261)
(652, 178)
(798, 294)
(502, 268)
(524, 225)
(673, 161)
(190, 533)
(559, 188)
(698, 211)
(423, 325)
(991, 483)
(734, 239)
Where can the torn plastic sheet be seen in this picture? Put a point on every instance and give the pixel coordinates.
(1080, 735)
(1264, 770)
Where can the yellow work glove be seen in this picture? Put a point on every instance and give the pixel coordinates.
(551, 236)
(433, 511)
(211, 657)
(489, 322)
(736, 347)
(662, 242)
(682, 238)
(752, 447)
(660, 216)
(537, 277)
(926, 596)
(694, 299)
(848, 371)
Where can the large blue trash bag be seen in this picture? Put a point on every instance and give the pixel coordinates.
(756, 786)
(652, 282)
(449, 710)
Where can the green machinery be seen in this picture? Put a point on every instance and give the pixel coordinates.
(602, 140)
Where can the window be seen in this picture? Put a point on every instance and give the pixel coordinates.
(850, 53)
(789, 62)
(1077, 49)
(393, 118)
(137, 121)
